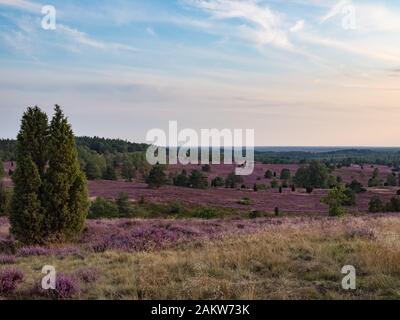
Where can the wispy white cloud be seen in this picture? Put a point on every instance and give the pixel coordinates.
(84, 39)
(335, 10)
(355, 48)
(298, 26)
(260, 24)
(23, 5)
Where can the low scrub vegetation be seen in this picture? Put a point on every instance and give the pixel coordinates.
(122, 207)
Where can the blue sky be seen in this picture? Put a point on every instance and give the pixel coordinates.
(299, 72)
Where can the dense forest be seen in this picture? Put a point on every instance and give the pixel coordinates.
(100, 158)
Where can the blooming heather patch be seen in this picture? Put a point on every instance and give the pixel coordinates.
(87, 275)
(3, 221)
(9, 280)
(66, 286)
(133, 235)
(141, 235)
(32, 251)
(43, 251)
(7, 260)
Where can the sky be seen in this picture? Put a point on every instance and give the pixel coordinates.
(300, 73)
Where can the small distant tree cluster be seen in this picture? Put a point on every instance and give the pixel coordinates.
(376, 205)
(391, 180)
(375, 181)
(285, 174)
(156, 177)
(233, 180)
(268, 174)
(315, 176)
(335, 199)
(217, 182)
(181, 180)
(356, 186)
(128, 171)
(198, 180)
(50, 201)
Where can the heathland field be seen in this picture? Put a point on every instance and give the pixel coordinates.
(217, 243)
(290, 202)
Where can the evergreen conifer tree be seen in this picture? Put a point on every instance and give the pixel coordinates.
(65, 190)
(27, 213)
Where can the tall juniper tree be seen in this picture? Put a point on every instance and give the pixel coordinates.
(27, 211)
(65, 190)
(50, 194)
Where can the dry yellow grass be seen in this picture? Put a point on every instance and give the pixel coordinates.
(290, 261)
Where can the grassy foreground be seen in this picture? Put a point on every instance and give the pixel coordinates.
(289, 261)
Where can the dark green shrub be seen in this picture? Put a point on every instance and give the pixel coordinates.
(176, 208)
(391, 180)
(268, 174)
(217, 182)
(274, 184)
(351, 198)
(205, 213)
(285, 174)
(233, 180)
(375, 180)
(357, 187)
(110, 173)
(103, 208)
(254, 214)
(156, 177)
(244, 201)
(198, 180)
(182, 179)
(309, 190)
(393, 205)
(261, 186)
(376, 205)
(335, 199)
(123, 204)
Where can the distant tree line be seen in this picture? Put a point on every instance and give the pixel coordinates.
(340, 158)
